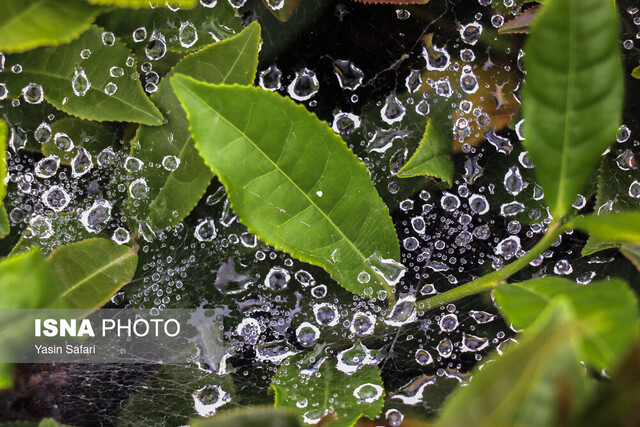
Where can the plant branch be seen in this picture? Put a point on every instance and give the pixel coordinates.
(491, 280)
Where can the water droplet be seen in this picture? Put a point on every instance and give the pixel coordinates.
(139, 34)
(392, 111)
(513, 182)
(277, 279)
(403, 312)
(95, 218)
(110, 88)
(363, 323)
(208, 399)
(80, 83)
(156, 48)
(511, 209)
(634, 190)
(563, 267)
(411, 243)
(133, 164)
(55, 198)
(423, 357)
(206, 230)
(481, 317)
(121, 236)
(270, 79)
(508, 247)
(471, 33)
(345, 123)
(448, 323)
(445, 348)
(368, 393)
(237, 3)
(108, 38)
(304, 86)
(41, 226)
(43, 133)
(170, 163)
(349, 76)
(188, 34)
(249, 329)
(33, 93)
(209, 3)
(138, 189)
(81, 163)
(4, 92)
(307, 334)
(47, 167)
(472, 343)
(449, 202)
(326, 314)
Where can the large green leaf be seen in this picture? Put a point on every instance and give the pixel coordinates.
(293, 182)
(57, 68)
(263, 416)
(172, 194)
(321, 389)
(433, 156)
(613, 227)
(27, 24)
(572, 97)
(607, 307)
(537, 382)
(145, 3)
(211, 24)
(4, 219)
(92, 270)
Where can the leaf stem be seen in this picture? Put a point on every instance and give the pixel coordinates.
(491, 280)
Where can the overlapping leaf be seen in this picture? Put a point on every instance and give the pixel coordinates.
(4, 219)
(607, 308)
(145, 3)
(326, 391)
(536, 382)
(572, 98)
(292, 181)
(27, 24)
(78, 86)
(173, 193)
(618, 227)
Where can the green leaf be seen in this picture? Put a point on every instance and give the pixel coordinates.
(607, 307)
(4, 219)
(172, 194)
(176, 387)
(92, 136)
(433, 156)
(263, 416)
(537, 382)
(285, 11)
(92, 271)
(27, 24)
(618, 227)
(66, 227)
(636, 72)
(326, 390)
(145, 3)
(292, 181)
(210, 24)
(632, 252)
(572, 98)
(56, 70)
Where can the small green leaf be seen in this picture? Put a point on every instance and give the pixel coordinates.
(4, 218)
(92, 136)
(263, 416)
(27, 24)
(173, 192)
(92, 271)
(632, 252)
(572, 98)
(293, 182)
(145, 3)
(535, 382)
(636, 72)
(616, 227)
(607, 307)
(62, 72)
(326, 390)
(433, 156)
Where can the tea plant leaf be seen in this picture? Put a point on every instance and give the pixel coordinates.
(66, 229)
(536, 382)
(92, 270)
(184, 30)
(62, 72)
(572, 98)
(264, 416)
(145, 3)
(27, 24)
(292, 181)
(608, 307)
(433, 156)
(618, 227)
(349, 396)
(636, 72)
(4, 218)
(632, 252)
(173, 193)
(176, 386)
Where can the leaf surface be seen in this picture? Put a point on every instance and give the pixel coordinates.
(27, 24)
(618, 227)
(292, 181)
(535, 382)
(4, 218)
(264, 416)
(433, 156)
(145, 3)
(329, 389)
(92, 270)
(632, 252)
(92, 136)
(57, 68)
(173, 193)
(608, 307)
(572, 98)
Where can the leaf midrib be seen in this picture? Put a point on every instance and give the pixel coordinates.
(276, 167)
